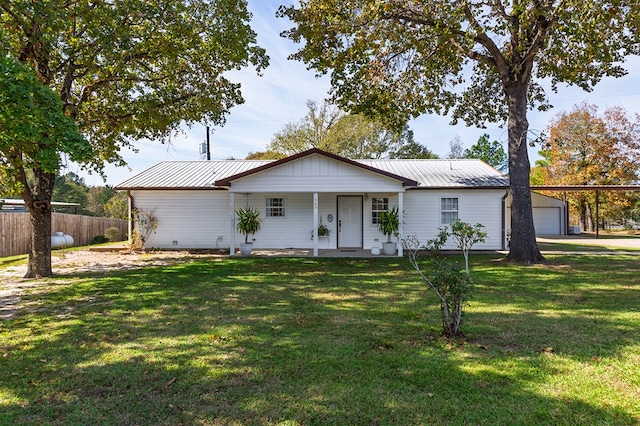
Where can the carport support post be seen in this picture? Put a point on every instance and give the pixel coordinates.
(400, 222)
(597, 214)
(232, 219)
(315, 224)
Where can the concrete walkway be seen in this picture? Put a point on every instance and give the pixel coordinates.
(589, 240)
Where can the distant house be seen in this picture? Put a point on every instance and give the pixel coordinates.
(195, 201)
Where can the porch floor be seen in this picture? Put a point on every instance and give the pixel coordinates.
(309, 253)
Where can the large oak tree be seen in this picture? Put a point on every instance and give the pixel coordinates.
(132, 69)
(478, 61)
(33, 134)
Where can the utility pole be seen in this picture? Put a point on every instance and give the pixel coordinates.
(208, 146)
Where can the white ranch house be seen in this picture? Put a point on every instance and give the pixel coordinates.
(195, 201)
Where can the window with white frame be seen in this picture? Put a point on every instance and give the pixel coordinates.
(378, 205)
(275, 207)
(448, 210)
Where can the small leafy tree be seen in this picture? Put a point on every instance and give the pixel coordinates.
(145, 223)
(451, 285)
(466, 236)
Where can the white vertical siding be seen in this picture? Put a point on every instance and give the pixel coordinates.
(316, 173)
(371, 234)
(422, 213)
(291, 231)
(193, 219)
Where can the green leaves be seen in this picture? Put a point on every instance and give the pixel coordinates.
(491, 153)
(397, 60)
(34, 132)
(135, 69)
(248, 221)
(350, 135)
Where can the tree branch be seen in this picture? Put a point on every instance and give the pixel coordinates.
(482, 38)
(495, 58)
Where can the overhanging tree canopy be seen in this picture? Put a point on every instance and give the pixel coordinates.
(133, 69)
(33, 134)
(475, 60)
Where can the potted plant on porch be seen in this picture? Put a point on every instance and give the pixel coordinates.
(248, 223)
(388, 224)
(323, 233)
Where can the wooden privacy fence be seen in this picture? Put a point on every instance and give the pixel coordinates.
(15, 229)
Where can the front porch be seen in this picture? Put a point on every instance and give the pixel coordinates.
(296, 193)
(292, 227)
(333, 253)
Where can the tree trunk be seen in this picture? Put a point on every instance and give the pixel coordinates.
(38, 199)
(523, 248)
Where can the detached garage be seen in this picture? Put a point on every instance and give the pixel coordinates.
(550, 215)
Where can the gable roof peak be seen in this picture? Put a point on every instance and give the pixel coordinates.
(316, 151)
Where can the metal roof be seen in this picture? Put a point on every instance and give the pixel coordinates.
(465, 173)
(459, 173)
(188, 174)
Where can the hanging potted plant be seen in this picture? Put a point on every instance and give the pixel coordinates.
(323, 233)
(388, 224)
(248, 223)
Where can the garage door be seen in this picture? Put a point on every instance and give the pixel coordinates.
(546, 220)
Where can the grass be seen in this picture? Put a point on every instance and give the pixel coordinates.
(325, 341)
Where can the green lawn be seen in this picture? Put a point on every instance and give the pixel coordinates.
(326, 341)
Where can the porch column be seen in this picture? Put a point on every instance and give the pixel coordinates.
(400, 222)
(232, 220)
(315, 224)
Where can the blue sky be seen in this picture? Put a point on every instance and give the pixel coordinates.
(280, 96)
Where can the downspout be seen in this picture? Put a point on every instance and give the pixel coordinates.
(130, 224)
(504, 220)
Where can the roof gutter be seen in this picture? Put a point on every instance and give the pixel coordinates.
(130, 221)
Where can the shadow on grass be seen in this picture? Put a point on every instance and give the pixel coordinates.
(263, 341)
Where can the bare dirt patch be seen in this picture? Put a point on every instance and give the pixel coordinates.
(64, 264)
